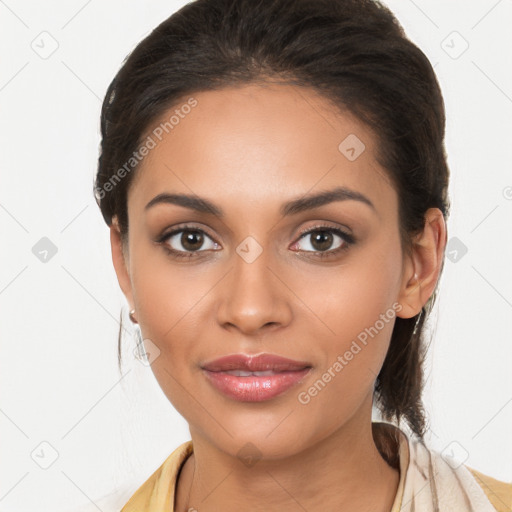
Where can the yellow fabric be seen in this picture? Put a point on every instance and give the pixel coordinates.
(157, 493)
(498, 493)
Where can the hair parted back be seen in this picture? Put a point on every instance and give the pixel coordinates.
(353, 52)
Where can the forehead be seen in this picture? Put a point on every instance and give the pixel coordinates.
(257, 144)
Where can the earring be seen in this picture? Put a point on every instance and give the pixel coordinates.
(140, 349)
(421, 312)
(417, 322)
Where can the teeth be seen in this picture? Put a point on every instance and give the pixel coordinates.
(243, 373)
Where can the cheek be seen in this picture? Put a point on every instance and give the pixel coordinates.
(346, 300)
(166, 294)
(351, 359)
(170, 313)
(353, 312)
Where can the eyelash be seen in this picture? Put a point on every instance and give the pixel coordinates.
(348, 240)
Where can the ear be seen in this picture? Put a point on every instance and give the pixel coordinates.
(121, 262)
(423, 266)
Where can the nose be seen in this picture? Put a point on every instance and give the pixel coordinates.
(253, 298)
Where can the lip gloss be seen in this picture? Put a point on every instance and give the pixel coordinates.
(252, 386)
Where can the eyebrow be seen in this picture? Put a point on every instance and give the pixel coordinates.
(292, 207)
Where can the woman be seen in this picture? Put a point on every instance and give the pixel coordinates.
(274, 178)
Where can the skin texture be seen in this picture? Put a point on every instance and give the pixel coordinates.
(248, 149)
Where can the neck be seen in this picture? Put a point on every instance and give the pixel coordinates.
(346, 467)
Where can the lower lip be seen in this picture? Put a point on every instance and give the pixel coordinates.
(255, 389)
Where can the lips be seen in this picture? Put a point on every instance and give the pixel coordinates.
(258, 378)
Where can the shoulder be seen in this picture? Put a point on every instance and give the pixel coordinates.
(157, 492)
(498, 493)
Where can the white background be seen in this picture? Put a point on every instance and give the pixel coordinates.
(59, 320)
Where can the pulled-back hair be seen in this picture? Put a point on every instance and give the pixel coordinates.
(353, 52)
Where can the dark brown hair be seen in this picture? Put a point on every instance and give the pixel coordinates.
(353, 52)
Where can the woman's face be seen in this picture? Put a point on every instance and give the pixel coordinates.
(247, 281)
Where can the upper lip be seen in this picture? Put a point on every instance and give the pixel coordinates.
(255, 363)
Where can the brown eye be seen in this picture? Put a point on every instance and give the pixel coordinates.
(321, 241)
(191, 240)
(185, 241)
